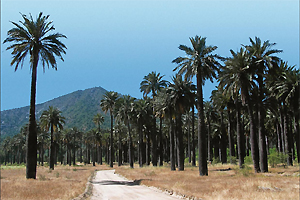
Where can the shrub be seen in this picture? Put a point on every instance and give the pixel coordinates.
(248, 160)
(276, 158)
(246, 170)
(233, 160)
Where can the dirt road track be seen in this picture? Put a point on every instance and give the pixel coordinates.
(110, 186)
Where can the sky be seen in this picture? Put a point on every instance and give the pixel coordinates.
(114, 44)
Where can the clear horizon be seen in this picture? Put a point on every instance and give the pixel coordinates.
(114, 44)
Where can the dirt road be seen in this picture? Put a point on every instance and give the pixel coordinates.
(110, 186)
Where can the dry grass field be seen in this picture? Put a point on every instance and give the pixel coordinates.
(223, 182)
(64, 182)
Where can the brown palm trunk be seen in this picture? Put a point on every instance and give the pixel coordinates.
(31, 142)
(130, 153)
(193, 137)
(179, 142)
(51, 159)
(239, 135)
(203, 171)
(161, 152)
(172, 145)
(111, 140)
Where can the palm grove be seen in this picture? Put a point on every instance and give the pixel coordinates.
(253, 110)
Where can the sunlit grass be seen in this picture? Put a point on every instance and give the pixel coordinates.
(64, 182)
(224, 181)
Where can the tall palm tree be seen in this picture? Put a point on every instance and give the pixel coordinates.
(199, 62)
(153, 83)
(98, 120)
(219, 102)
(286, 89)
(31, 37)
(108, 104)
(140, 108)
(180, 95)
(236, 79)
(164, 105)
(52, 119)
(124, 113)
(262, 59)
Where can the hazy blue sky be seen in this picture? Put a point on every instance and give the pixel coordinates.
(114, 44)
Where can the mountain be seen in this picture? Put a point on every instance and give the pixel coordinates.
(78, 108)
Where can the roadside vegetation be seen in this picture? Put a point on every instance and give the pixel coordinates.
(64, 182)
(224, 182)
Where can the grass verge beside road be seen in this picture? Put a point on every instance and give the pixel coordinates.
(223, 182)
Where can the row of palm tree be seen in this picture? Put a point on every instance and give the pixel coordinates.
(254, 84)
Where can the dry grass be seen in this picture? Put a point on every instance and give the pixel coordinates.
(279, 183)
(69, 182)
(63, 182)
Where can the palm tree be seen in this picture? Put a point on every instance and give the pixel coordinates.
(163, 104)
(124, 113)
(262, 60)
(52, 119)
(31, 37)
(153, 83)
(140, 108)
(286, 89)
(200, 62)
(236, 79)
(98, 120)
(108, 104)
(219, 102)
(180, 95)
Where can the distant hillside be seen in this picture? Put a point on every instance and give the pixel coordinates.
(78, 108)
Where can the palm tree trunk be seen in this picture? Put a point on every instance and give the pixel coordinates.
(161, 153)
(148, 149)
(262, 141)
(261, 125)
(130, 153)
(61, 153)
(238, 134)
(120, 150)
(74, 151)
(51, 159)
(253, 140)
(223, 142)
(203, 171)
(278, 131)
(31, 142)
(179, 141)
(209, 148)
(287, 134)
(230, 137)
(193, 137)
(140, 145)
(154, 144)
(172, 148)
(188, 137)
(111, 140)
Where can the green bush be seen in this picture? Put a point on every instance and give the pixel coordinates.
(246, 170)
(233, 160)
(276, 158)
(248, 160)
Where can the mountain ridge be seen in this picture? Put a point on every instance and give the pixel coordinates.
(78, 107)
